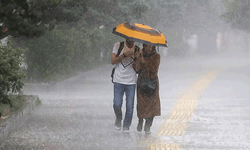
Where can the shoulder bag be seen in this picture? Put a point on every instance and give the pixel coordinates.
(147, 86)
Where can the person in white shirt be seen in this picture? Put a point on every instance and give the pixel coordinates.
(124, 80)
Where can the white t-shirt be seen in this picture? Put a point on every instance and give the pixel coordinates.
(124, 72)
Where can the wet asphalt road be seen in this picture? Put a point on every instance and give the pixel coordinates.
(205, 105)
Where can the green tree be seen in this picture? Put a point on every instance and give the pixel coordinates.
(237, 14)
(32, 18)
(113, 12)
(48, 57)
(11, 74)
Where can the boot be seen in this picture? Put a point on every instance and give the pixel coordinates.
(148, 124)
(140, 124)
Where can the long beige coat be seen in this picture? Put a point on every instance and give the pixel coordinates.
(148, 107)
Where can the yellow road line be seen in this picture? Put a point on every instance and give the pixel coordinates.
(162, 146)
(153, 144)
(176, 122)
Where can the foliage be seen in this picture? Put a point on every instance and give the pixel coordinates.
(17, 101)
(16, 19)
(48, 57)
(11, 74)
(77, 40)
(32, 18)
(237, 14)
(113, 12)
(60, 53)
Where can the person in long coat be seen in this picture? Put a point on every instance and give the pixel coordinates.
(146, 64)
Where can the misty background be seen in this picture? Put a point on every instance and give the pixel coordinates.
(65, 37)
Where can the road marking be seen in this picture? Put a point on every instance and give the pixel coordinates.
(154, 144)
(176, 122)
(160, 145)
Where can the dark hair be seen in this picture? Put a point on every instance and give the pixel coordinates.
(153, 47)
(128, 40)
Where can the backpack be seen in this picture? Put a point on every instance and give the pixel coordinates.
(118, 53)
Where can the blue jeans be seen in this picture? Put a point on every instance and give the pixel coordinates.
(119, 90)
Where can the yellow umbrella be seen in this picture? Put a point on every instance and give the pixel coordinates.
(140, 33)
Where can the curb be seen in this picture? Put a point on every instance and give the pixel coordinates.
(14, 122)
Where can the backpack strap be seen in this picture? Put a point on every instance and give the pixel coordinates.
(118, 53)
(120, 48)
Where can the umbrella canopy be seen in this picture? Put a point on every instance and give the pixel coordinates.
(140, 33)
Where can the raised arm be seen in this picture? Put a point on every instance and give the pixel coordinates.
(139, 61)
(116, 59)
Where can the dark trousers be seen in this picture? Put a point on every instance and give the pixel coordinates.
(148, 123)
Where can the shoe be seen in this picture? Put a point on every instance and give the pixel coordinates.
(117, 128)
(118, 125)
(148, 132)
(139, 126)
(125, 129)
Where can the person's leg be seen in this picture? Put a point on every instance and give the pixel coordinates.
(140, 124)
(148, 124)
(117, 103)
(130, 94)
